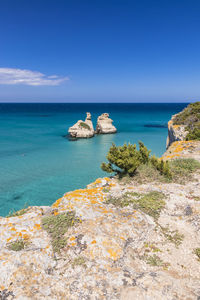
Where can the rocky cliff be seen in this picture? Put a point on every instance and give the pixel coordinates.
(185, 125)
(175, 132)
(131, 239)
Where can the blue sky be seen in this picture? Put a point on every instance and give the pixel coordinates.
(99, 51)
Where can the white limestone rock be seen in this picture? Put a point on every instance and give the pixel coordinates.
(104, 124)
(82, 129)
(175, 132)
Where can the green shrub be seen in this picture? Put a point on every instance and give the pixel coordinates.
(148, 173)
(190, 117)
(193, 134)
(84, 125)
(57, 226)
(17, 245)
(154, 260)
(79, 261)
(124, 160)
(197, 252)
(162, 166)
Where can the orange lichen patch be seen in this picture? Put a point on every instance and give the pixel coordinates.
(73, 244)
(107, 178)
(93, 201)
(122, 238)
(176, 126)
(26, 236)
(37, 226)
(2, 287)
(72, 238)
(9, 239)
(170, 156)
(56, 204)
(55, 213)
(114, 254)
(93, 242)
(98, 181)
(13, 229)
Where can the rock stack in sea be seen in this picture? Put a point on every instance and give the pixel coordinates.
(104, 124)
(82, 129)
(85, 129)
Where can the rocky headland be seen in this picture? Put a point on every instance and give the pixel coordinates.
(134, 238)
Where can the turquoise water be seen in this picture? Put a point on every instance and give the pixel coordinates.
(38, 164)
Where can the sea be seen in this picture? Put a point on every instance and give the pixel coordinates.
(38, 163)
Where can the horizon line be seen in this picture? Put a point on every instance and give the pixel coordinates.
(96, 102)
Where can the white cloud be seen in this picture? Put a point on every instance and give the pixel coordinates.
(28, 77)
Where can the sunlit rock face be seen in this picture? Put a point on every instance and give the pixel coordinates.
(175, 132)
(82, 129)
(104, 124)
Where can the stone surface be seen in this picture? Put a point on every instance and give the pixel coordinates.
(104, 124)
(82, 129)
(175, 132)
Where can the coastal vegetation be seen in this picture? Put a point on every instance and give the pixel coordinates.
(79, 261)
(182, 169)
(125, 160)
(190, 117)
(129, 164)
(173, 236)
(84, 125)
(16, 245)
(57, 226)
(18, 213)
(197, 252)
(151, 203)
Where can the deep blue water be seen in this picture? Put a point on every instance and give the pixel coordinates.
(38, 165)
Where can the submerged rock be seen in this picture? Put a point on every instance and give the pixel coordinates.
(82, 129)
(104, 124)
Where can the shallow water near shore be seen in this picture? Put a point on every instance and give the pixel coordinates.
(38, 164)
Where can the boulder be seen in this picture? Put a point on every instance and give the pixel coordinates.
(104, 124)
(82, 129)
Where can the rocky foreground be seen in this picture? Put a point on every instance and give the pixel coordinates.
(94, 243)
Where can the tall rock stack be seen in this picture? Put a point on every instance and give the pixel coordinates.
(82, 129)
(104, 124)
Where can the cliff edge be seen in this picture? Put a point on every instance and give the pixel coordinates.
(185, 125)
(135, 238)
